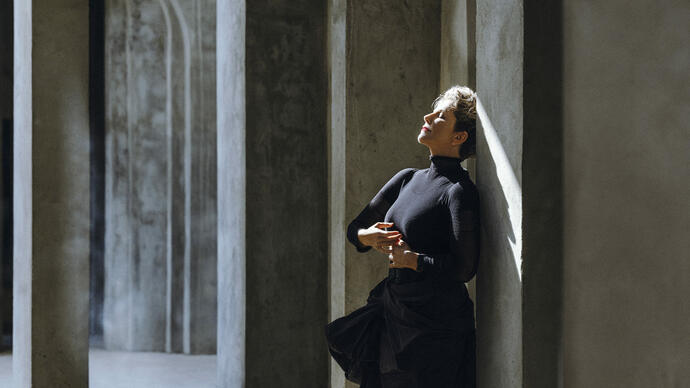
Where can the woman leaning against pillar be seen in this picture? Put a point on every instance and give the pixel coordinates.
(417, 328)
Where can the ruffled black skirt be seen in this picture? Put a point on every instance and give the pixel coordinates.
(416, 330)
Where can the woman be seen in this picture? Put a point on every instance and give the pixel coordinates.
(417, 328)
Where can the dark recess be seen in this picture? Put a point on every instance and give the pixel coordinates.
(97, 173)
(7, 34)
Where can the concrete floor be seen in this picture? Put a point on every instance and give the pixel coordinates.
(138, 370)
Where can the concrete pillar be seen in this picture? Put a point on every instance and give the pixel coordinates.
(51, 192)
(458, 43)
(232, 189)
(627, 184)
(160, 251)
(272, 193)
(519, 177)
(499, 176)
(384, 74)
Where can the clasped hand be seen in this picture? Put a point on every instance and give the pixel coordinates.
(390, 243)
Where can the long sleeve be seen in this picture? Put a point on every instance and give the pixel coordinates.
(463, 247)
(376, 209)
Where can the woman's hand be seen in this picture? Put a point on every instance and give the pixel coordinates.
(377, 238)
(402, 257)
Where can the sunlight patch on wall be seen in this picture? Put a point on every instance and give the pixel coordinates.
(508, 182)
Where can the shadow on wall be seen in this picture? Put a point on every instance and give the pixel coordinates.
(499, 280)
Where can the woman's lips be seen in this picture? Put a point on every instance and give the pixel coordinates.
(425, 129)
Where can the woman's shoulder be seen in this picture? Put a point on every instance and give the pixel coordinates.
(405, 173)
(462, 190)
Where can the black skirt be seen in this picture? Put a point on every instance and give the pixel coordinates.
(416, 330)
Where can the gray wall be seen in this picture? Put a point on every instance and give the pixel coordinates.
(51, 191)
(458, 43)
(627, 188)
(499, 180)
(272, 209)
(232, 188)
(286, 194)
(160, 244)
(519, 287)
(583, 169)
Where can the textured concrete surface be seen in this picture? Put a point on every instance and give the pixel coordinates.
(384, 73)
(232, 178)
(519, 282)
(51, 192)
(160, 251)
(458, 45)
(108, 369)
(499, 179)
(286, 200)
(627, 184)
(542, 196)
(272, 194)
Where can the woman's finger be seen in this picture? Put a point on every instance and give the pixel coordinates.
(381, 224)
(385, 248)
(385, 245)
(388, 239)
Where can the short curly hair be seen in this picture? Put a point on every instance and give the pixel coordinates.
(463, 102)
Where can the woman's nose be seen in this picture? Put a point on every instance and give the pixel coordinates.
(427, 118)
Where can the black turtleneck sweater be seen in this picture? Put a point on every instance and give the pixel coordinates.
(437, 212)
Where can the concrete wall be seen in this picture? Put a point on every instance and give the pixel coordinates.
(272, 209)
(519, 287)
(499, 180)
(627, 185)
(160, 244)
(286, 194)
(51, 192)
(232, 192)
(583, 170)
(458, 43)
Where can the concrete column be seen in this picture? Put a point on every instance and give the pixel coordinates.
(51, 191)
(286, 190)
(272, 194)
(384, 74)
(160, 251)
(519, 178)
(499, 174)
(232, 192)
(458, 43)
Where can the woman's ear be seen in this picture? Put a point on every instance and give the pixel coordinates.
(459, 138)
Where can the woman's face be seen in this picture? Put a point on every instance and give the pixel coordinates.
(437, 131)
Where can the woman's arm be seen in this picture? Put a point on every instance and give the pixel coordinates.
(376, 209)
